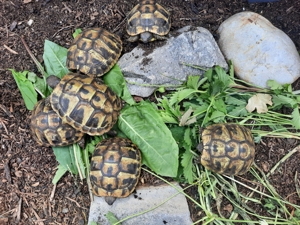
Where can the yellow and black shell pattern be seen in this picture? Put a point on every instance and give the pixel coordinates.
(94, 51)
(86, 103)
(227, 149)
(115, 168)
(148, 16)
(48, 129)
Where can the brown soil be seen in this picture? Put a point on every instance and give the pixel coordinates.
(27, 195)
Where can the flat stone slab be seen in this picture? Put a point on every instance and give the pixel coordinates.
(161, 205)
(167, 66)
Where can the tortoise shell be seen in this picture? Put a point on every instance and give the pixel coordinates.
(48, 129)
(148, 17)
(227, 149)
(94, 52)
(86, 103)
(115, 168)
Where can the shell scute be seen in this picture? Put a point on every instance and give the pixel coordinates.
(115, 167)
(94, 52)
(227, 149)
(48, 128)
(86, 103)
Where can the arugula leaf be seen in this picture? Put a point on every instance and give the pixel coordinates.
(143, 125)
(26, 88)
(55, 58)
(193, 82)
(187, 164)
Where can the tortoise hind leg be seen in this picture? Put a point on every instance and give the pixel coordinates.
(133, 38)
(159, 37)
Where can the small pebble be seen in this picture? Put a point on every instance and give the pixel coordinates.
(65, 210)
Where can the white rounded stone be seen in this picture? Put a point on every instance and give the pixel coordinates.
(259, 51)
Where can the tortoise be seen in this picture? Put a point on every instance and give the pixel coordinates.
(84, 102)
(115, 168)
(148, 21)
(94, 51)
(227, 148)
(48, 129)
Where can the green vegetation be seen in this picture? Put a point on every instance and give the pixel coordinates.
(175, 123)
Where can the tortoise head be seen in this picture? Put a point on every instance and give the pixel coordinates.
(146, 37)
(52, 81)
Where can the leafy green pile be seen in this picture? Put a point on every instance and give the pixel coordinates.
(138, 121)
(168, 132)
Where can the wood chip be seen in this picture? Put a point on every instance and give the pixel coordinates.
(18, 173)
(39, 220)
(10, 50)
(7, 172)
(52, 193)
(35, 184)
(3, 221)
(19, 211)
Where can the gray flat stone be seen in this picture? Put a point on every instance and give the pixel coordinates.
(173, 211)
(166, 65)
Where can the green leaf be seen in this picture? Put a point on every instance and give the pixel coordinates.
(55, 58)
(223, 76)
(186, 118)
(143, 125)
(220, 105)
(90, 146)
(79, 160)
(231, 69)
(111, 218)
(187, 138)
(26, 88)
(217, 87)
(167, 117)
(296, 118)
(235, 101)
(59, 173)
(65, 157)
(280, 100)
(217, 116)
(178, 133)
(77, 31)
(193, 82)
(115, 80)
(93, 223)
(238, 111)
(273, 85)
(187, 164)
(39, 84)
(181, 94)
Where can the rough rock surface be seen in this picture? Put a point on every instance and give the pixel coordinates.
(167, 65)
(259, 51)
(161, 205)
